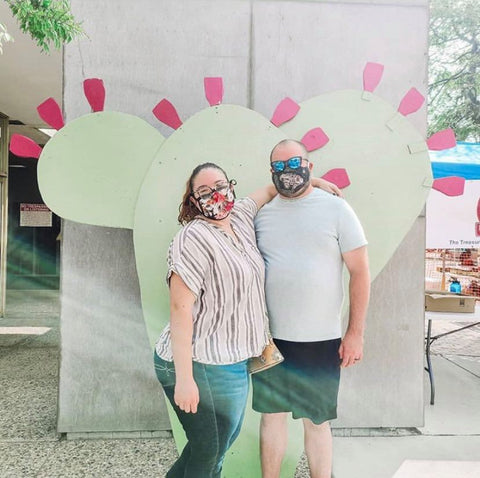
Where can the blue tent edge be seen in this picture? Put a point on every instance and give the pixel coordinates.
(463, 170)
(464, 162)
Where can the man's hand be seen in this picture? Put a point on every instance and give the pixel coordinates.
(326, 186)
(351, 349)
(186, 395)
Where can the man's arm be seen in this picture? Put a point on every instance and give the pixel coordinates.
(351, 348)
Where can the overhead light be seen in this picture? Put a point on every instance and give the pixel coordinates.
(48, 131)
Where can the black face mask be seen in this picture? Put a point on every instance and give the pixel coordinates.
(291, 182)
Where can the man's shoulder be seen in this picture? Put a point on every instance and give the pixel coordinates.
(272, 205)
(320, 195)
(333, 202)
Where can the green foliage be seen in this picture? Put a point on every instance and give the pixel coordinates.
(454, 66)
(47, 21)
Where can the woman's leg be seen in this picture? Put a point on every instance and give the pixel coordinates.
(223, 396)
(229, 385)
(210, 432)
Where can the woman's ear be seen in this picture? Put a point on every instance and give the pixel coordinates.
(232, 188)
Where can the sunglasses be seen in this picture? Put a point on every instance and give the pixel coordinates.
(206, 192)
(292, 163)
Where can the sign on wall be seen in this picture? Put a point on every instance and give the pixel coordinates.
(454, 222)
(35, 215)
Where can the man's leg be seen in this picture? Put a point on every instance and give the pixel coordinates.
(318, 448)
(273, 443)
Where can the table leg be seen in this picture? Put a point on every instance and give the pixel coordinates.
(429, 362)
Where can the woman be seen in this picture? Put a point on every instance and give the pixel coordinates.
(217, 317)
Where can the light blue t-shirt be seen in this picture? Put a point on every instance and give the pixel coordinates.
(302, 241)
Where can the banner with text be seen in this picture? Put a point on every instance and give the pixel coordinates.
(454, 222)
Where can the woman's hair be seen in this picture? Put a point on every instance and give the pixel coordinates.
(188, 210)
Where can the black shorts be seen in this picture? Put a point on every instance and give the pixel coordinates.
(305, 383)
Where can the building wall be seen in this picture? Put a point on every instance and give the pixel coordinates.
(264, 50)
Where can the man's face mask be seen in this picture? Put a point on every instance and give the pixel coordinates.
(215, 203)
(290, 177)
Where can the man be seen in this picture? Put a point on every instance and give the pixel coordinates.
(305, 236)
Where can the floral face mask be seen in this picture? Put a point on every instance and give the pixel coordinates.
(216, 203)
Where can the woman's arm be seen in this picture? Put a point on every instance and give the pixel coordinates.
(326, 186)
(181, 329)
(263, 195)
(267, 193)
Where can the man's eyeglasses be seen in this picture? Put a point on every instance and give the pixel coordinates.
(206, 192)
(292, 163)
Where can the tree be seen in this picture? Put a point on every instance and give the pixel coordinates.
(47, 21)
(454, 68)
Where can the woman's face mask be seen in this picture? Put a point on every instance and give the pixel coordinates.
(215, 203)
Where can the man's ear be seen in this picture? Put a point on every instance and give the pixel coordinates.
(310, 166)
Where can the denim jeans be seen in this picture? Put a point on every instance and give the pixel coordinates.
(212, 430)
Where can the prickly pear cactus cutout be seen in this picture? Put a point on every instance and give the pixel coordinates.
(92, 168)
(385, 157)
(115, 170)
(235, 138)
(238, 139)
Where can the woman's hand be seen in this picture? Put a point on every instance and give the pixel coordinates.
(186, 395)
(326, 186)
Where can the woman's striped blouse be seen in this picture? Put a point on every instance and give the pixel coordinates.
(227, 277)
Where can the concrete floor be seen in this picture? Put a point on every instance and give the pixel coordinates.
(448, 444)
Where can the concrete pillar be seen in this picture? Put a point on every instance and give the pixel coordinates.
(264, 50)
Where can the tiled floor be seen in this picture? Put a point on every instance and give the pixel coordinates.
(30, 446)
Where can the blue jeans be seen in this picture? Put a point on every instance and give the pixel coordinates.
(212, 430)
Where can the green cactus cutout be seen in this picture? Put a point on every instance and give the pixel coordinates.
(115, 170)
(389, 169)
(92, 169)
(235, 138)
(240, 140)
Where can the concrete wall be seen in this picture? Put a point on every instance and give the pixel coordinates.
(107, 382)
(264, 50)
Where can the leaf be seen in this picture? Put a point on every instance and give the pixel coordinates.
(46, 22)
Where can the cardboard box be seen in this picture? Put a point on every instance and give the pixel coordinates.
(448, 302)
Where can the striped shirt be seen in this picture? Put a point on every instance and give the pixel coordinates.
(227, 278)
